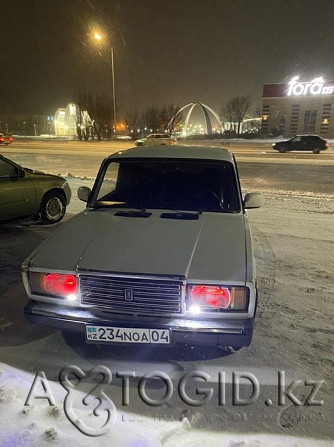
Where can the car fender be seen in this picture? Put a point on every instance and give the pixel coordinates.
(250, 259)
(46, 183)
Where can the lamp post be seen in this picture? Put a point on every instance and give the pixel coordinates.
(98, 37)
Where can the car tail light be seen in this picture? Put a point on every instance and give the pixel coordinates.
(55, 284)
(212, 298)
(2, 139)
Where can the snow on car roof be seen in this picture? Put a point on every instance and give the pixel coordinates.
(195, 152)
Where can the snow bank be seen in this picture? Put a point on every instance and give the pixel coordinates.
(42, 425)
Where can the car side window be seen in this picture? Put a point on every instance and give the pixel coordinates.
(7, 170)
(108, 184)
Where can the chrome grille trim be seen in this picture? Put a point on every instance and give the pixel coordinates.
(151, 296)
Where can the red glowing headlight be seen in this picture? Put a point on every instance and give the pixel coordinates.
(212, 295)
(59, 284)
(208, 298)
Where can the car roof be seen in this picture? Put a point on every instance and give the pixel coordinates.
(191, 152)
(312, 136)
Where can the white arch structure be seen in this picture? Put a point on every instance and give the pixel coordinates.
(204, 109)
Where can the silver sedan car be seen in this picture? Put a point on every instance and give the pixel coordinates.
(161, 255)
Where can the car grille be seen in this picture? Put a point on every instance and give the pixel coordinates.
(132, 295)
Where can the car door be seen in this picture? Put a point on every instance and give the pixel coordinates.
(296, 144)
(17, 192)
(308, 143)
(150, 140)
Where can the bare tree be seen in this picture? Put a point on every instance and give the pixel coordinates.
(78, 121)
(133, 122)
(84, 127)
(157, 118)
(99, 108)
(169, 118)
(151, 118)
(236, 109)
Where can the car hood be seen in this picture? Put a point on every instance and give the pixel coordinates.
(35, 174)
(210, 248)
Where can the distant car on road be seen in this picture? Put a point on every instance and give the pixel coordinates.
(123, 137)
(6, 138)
(312, 143)
(157, 139)
(26, 193)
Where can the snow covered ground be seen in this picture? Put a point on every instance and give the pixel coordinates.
(294, 241)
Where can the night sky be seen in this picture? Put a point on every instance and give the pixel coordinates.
(166, 51)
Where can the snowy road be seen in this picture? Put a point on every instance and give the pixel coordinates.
(294, 246)
(260, 167)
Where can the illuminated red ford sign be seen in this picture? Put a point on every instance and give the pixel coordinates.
(315, 87)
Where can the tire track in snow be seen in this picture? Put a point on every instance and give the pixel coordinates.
(266, 265)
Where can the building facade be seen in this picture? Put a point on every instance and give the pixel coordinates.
(65, 121)
(26, 125)
(298, 107)
(68, 120)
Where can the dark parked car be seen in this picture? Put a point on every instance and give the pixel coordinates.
(312, 143)
(25, 193)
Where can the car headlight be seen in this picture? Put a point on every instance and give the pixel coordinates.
(54, 285)
(216, 298)
(274, 144)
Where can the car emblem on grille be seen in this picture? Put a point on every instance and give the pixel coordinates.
(128, 295)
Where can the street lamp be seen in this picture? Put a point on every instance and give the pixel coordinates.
(98, 37)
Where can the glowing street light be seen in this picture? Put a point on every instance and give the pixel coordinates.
(98, 37)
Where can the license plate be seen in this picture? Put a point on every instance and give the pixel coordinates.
(108, 334)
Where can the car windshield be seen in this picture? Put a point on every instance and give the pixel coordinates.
(169, 184)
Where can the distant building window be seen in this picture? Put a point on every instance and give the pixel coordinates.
(310, 119)
(282, 123)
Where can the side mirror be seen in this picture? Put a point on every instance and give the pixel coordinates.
(84, 193)
(253, 200)
(19, 172)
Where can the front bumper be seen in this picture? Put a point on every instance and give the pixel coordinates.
(225, 333)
